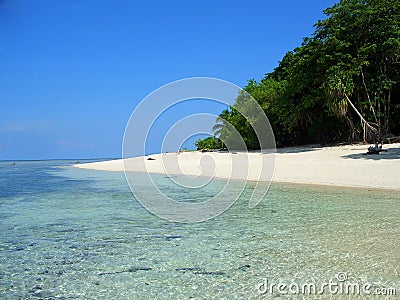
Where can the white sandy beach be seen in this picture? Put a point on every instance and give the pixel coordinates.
(339, 165)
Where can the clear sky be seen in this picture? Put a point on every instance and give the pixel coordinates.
(71, 71)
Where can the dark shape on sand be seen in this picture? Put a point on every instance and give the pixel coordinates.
(375, 149)
(150, 158)
(206, 150)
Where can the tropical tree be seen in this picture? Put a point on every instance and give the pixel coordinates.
(341, 85)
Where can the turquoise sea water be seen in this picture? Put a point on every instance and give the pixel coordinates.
(67, 233)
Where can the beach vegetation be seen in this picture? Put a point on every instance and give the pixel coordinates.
(210, 142)
(342, 84)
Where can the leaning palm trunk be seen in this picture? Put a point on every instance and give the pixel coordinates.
(365, 124)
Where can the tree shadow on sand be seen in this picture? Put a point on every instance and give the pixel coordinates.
(297, 149)
(392, 153)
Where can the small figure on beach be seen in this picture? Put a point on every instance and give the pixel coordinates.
(376, 149)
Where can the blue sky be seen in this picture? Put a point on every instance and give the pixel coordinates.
(71, 72)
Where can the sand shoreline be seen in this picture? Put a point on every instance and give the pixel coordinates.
(331, 166)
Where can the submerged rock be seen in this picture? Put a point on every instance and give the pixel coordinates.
(244, 267)
(129, 270)
(173, 237)
(184, 270)
(199, 271)
(135, 269)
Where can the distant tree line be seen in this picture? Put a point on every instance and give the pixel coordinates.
(341, 85)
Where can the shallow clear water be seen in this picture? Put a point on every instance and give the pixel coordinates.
(67, 233)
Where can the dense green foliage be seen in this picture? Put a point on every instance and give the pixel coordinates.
(208, 143)
(341, 85)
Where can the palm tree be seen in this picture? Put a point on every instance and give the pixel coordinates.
(220, 123)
